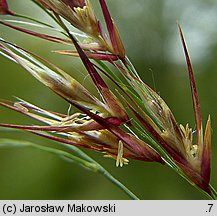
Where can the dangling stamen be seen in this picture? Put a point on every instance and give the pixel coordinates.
(120, 161)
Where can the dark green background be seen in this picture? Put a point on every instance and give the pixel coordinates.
(150, 35)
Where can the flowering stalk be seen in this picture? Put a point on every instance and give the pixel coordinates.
(151, 135)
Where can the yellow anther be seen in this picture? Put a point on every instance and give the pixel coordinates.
(20, 106)
(120, 161)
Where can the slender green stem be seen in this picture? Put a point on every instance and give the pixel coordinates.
(213, 192)
(103, 171)
(84, 160)
(96, 167)
(117, 183)
(91, 164)
(79, 152)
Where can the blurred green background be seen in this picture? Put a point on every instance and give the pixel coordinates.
(151, 38)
